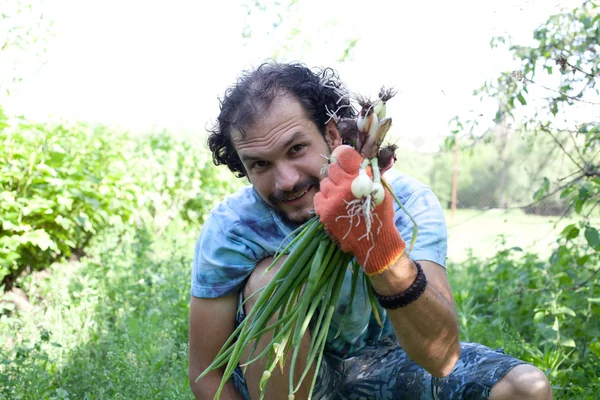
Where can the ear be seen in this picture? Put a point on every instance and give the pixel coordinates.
(332, 135)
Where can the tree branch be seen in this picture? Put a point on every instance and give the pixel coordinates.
(563, 62)
(545, 129)
(559, 92)
(550, 194)
(542, 165)
(570, 175)
(592, 209)
(576, 147)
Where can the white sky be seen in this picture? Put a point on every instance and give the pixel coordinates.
(143, 65)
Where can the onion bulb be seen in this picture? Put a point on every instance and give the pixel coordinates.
(362, 185)
(378, 193)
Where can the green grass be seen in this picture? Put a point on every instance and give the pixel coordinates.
(110, 326)
(479, 232)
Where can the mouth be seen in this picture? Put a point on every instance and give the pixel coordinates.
(297, 196)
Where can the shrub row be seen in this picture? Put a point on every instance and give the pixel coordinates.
(60, 185)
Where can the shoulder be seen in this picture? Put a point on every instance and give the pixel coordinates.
(242, 207)
(405, 186)
(239, 232)
(244, 218)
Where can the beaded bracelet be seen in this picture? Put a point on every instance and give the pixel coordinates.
(402, 299)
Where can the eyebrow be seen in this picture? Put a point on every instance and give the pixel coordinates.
(288, 143)
(291, 140)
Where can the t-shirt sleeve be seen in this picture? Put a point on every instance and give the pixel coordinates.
(222, 261)
(432, 236)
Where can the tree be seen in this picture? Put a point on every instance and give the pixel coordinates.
(556, 94)
(24, 33)
(553, 97)
(280, 23)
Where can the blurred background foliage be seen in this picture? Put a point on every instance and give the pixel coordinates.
(98, 225)
(63, 185)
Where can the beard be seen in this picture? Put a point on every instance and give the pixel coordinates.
(280, 196)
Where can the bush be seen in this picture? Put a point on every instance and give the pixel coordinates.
(543, 312)
(112, 325)
(61, 185)
(176, 177)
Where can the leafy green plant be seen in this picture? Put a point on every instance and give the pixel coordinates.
(110, 325)
(59, 186)
(176, 178)
(543, 311)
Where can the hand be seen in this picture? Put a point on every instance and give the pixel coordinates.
(374, 241)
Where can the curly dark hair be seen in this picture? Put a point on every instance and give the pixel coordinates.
(318, 91)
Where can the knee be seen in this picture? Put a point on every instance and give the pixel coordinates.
(534, 384)
(523, 382)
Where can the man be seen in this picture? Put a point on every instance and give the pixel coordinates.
(275, 129)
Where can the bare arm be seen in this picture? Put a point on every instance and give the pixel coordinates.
(212, 321)
(426, 329)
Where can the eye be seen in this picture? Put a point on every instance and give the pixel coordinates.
(258, 165)
(297, 148)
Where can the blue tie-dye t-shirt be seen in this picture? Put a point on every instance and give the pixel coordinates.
(243, 230)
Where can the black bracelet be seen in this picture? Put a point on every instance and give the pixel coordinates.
(406, 297)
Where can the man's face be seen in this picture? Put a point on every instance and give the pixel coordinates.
(283, 153)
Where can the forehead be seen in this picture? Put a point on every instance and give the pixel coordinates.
(285, 117)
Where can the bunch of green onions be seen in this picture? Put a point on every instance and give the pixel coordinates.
(304, 291)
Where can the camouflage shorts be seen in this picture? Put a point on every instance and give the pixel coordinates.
(383, 371)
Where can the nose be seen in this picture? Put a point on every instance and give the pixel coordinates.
(286, 177)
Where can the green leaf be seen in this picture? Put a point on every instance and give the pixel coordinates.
(522, 99)
(567, 229)
(9, 226)
(498, 116)
(570, 232)
(539, 316)
(542, 190)
(595, 348)
(595, 300)
(10, 257)
(565, 193)
(41, 239)
(592, 237)
(564, 279)
(46, 169)
(67, 202)
(579, 205)
(64, 222)
(567, 343)
(583, 259)
(566, 311)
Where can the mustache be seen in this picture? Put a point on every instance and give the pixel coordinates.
(279, 196)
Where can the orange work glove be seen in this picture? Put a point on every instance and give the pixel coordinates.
(376, 252)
